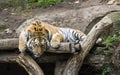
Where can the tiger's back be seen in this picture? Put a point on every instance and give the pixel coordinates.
(71, 35)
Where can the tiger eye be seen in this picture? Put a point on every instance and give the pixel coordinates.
(40, 29)
(34, 24)
(35, 28)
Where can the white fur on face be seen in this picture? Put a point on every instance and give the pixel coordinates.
(36, 41)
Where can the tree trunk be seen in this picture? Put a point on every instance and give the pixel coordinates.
(59, 68)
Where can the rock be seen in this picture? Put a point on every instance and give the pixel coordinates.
(77, 1)
(8, 31)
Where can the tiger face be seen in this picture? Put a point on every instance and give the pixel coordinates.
(36, 43)
(37, 46)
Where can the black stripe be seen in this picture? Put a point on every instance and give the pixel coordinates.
(78, 35)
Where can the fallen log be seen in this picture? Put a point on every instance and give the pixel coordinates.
(12, 44)
(93, 60)
(65, 47)
(8, 44)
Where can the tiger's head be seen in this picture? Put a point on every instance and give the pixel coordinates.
(37, 46)
(36, 33)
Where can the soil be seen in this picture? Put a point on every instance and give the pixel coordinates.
(11, 17)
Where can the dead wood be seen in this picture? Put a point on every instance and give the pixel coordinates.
(75, 62)
(92, 60)
(25, 61)
(12, 44)
(65, 47)
(29, 65)
(8, 44)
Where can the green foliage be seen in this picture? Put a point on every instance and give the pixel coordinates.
(109, 42)
(32, 1)
(118, 17)
(106, 69)
(2, 27)
(110, 39)
(46, 3)
(28, 4)
(13, 3)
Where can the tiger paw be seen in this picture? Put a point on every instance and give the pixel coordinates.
(75, 47)
(55, 45)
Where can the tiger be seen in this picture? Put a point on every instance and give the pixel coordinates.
(38, 35)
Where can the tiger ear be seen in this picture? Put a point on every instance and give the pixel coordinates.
(38, 22)
(44, 29)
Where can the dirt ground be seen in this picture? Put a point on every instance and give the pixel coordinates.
(12, 17)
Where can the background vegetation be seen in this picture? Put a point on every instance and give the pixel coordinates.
(29, 3)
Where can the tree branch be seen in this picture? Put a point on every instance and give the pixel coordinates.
(93, 60)
(29, 65)
(75, 62)
(12, 44)
(8, 44)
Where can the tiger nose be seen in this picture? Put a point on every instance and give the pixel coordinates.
(37, 55)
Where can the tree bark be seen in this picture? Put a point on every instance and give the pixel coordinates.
(59, 68)
(12, 44)
(8, 44)
(93, 60)
(26, 62)
(75, 62)
(29, 65)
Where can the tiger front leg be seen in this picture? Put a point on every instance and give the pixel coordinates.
(55, 44)
(56, 40)
(22, 43)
